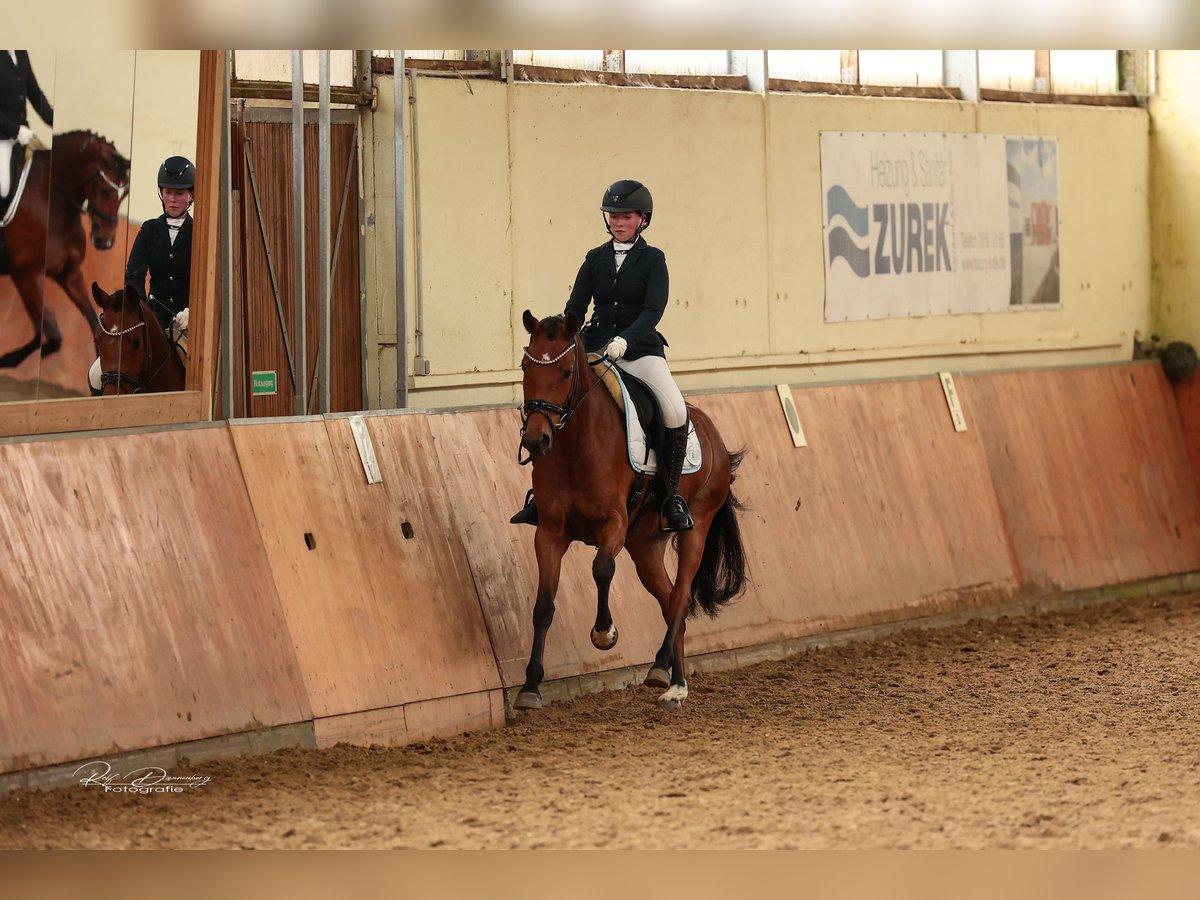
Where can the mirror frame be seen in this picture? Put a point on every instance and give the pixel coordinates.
(195, 402)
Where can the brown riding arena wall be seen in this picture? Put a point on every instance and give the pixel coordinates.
(173, 586)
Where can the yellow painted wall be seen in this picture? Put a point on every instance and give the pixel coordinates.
(506, 190)
(1175, 196)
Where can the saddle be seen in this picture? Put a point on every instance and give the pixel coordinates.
(644, 433)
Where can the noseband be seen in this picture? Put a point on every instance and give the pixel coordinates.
(118, 189)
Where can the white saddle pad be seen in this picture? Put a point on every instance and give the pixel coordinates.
(641, 459)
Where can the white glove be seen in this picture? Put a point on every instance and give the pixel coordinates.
(24, 134)
(616, 348)
(181, 320)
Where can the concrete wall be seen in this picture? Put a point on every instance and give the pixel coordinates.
(503, 195)
(1175, 195)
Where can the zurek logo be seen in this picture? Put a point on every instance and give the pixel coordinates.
(911, 237)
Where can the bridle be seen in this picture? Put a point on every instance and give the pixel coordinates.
(545, 407)
(118, 188)
(144, 376)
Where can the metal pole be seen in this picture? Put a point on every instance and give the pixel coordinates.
(300, 372)
(400, 114)
(323, 234)
(226, 215)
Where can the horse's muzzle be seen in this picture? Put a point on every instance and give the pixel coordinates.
(102, 242)
(538, 445)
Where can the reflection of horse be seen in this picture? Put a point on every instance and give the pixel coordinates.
(136, 357)
(46, 238)
(583, 490)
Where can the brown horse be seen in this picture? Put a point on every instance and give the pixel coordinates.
(136, 356)
(575, 435)
(46, 238)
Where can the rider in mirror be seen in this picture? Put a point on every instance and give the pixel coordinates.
(163, 248)
(627, 280)
(18, 84)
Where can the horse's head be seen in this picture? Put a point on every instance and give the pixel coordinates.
(105, 191)
(551, 366)
(88, 171)
(122, 340)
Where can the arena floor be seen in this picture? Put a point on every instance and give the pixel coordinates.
(1075, 729)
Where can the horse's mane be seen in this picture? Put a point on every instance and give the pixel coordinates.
(79, 138)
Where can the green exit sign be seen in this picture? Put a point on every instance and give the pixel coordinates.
(262, 384)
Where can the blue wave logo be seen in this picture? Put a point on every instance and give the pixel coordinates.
(841, 244)
(839, 203)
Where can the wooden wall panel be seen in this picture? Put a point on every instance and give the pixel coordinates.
(1092, 472)
(136, 604)
(378, 619)
(888, 513)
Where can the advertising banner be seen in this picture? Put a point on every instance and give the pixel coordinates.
(938, 224)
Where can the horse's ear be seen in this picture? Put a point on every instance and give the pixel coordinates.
(98, 295)
(572, 325)
(531, 323)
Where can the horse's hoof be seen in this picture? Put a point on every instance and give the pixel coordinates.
(673, 698)
(528, 700)
(605, 640)
(658, 678)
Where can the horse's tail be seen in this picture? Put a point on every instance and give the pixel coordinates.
(722, 572)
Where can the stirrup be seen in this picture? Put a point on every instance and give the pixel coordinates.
(675, 516)
(527, 514)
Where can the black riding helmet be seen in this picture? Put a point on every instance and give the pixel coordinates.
(177, 172)
(627, 196)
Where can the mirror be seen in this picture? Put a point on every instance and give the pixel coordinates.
(117, 115)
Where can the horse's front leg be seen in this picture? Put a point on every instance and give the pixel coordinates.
(71, 281)
(549, 548)
(604, 566)
(30, 286)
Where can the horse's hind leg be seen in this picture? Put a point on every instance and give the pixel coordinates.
(691, 550)
(550, 549)
(648, 559)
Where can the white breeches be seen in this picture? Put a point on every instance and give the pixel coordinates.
(6, 151)
(657, 374)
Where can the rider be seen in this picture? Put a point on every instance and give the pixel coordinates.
(18, 84)
(163, 247)
(627, 280)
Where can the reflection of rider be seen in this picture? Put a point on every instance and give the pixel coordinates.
(163, 248)
(17, 84)
(626, 278)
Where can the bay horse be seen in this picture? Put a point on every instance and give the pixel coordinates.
(136, 356)
(46, 237)
(574, 434)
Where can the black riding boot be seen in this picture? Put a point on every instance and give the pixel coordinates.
(527, 514)
(675, 515)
